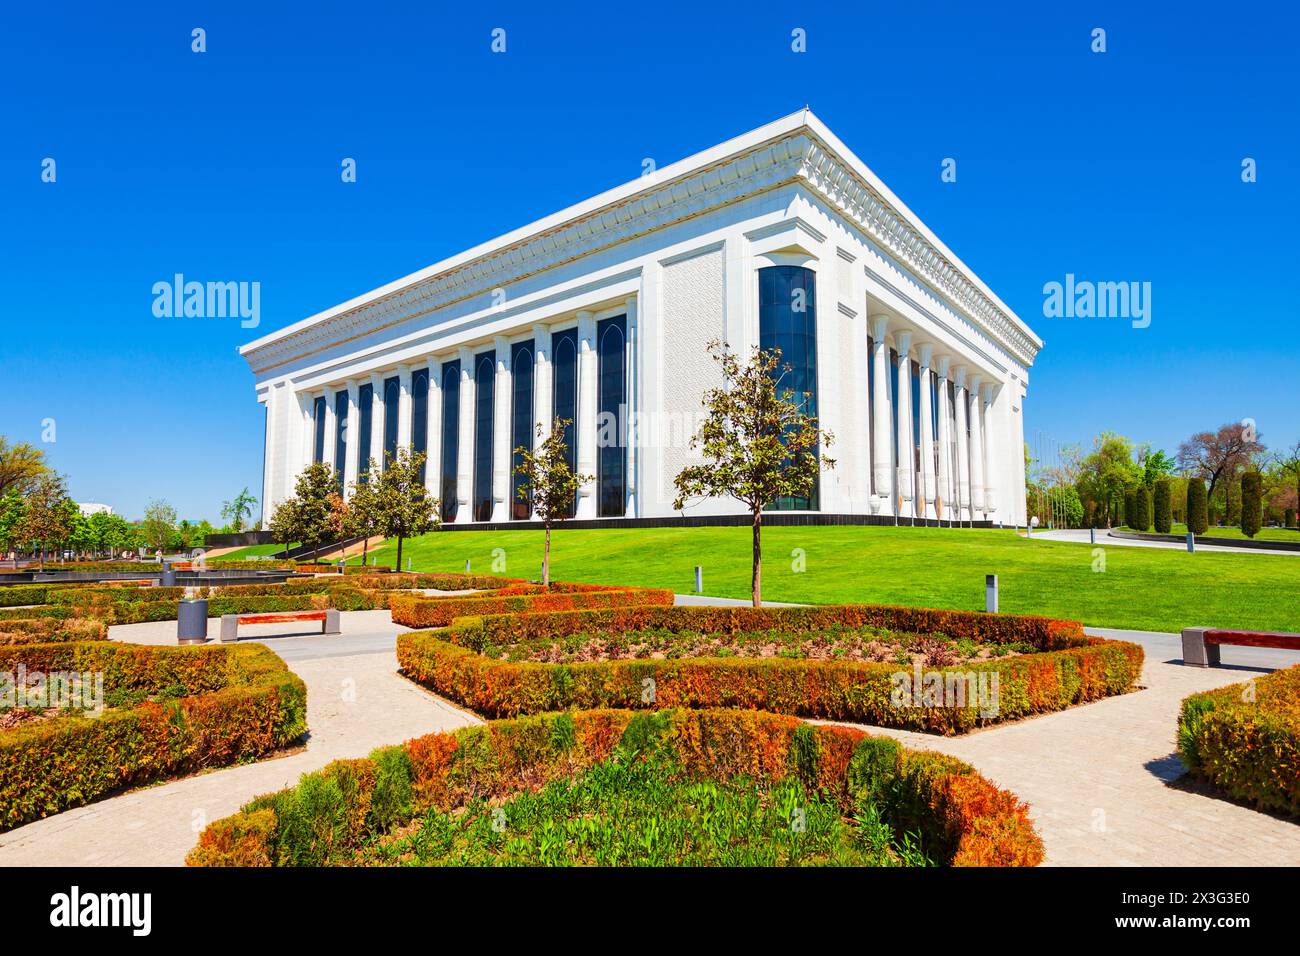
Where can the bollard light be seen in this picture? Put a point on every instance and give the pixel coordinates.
(1191, 543)
(1092, 535)
(699, 579)
(467, 565)
(991, 593)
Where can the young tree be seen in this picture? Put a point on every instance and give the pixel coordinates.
(284, 524)
(238, 509)
(20, 466)
(549, 484)
(1141, 509)
(1156, 465)
(1164, 515)
(1198, 512)
(1287, 463)
(12, 509)
(758, 444)
(48, 512)
(1251, 503)
(311, 496)
(402, 503)
(362, 518)
(1220, 455)
(1107, 474)
(158, 524)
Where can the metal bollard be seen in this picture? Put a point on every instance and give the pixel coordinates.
(1191, 543)
(699, 580)
(1092, 535)
(467, 565)
(991, 593)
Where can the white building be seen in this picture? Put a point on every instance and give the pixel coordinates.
(89, 508)
(601, 314)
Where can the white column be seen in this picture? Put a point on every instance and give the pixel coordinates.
(331, 430)
(501, 431)
(269, 470)
(880, 454)
(992, 426)
(586, 424)
(944, 505)
(433, 446)
(927, 432)
(543, 385)
(306, 438)
(404, 407)
(376, 449)
(465, 458)
(906, 456)
(976, 451)
(963, 453)
(632, 407)
(351, 463)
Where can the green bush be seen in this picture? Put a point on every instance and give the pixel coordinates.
(1164, 514)
(1141, 520)
(1252, 503)
(1198, 514)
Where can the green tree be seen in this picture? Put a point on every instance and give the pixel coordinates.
(284, 523)
(1157, 465)
(1141, 509)
(1107, 474)
(1164, 515)
(238, 509)
(1232, 500)
(311, 497)
(403, 505)
(759, 445)
(1198, 513)
(362, 516)
(1252, 493)
(48, 512)
(549, 484)
(20, 466)
(12, 509)
(158, 525)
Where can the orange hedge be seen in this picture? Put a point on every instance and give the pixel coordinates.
(962, 819)
(1245, 739)
(1083, 669)
(241, 702)
(417, 611)
(48, 629)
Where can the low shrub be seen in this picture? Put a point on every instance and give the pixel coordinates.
(1245, 739)
(43, 630)
(413, 610)
(219, 705)
(957, 816)
(1069, 668)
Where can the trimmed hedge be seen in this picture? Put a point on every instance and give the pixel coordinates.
(961, 818)
(1249, 748)
(418, 611)
(242, 702)
(1070, 667)
(44, 630)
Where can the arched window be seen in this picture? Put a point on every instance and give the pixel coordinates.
(365, 421)
(392, 395)
(341, 435)
(450, 436)
(787, 320)
(420, 416)
(522, 422)
(484, 382)
(611, 420)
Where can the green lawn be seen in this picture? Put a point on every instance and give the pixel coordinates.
(254, 551)
(1265, 534)
(1143, 588)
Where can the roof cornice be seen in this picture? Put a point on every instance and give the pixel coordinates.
(797, 148)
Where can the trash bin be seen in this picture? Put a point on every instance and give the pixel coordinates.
(192, 621)
(168, 575)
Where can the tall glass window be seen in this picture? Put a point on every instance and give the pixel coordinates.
(916, 435)
(787, 320)
(365, 420)
(318, 420)
(611, 422)
(521, 421)
(450, 436)
(565, 393)
(420, 416)
(485, 374)
(392, 396)
(340, 435)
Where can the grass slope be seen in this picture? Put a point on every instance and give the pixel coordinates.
(1142, 588)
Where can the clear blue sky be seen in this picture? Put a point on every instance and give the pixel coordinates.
(225, 166)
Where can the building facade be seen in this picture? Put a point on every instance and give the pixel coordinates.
(602, 315)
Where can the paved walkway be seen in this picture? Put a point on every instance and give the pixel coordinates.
(1080, 536)
(355, 702)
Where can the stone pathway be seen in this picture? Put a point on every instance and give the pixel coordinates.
(355, 702)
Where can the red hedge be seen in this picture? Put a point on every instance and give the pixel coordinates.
(417, 611)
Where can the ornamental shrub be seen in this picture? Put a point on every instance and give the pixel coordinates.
(1164, 515)
(1252, 503)
(1198, 515)
(1141, 510)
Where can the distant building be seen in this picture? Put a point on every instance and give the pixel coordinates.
(89, 508)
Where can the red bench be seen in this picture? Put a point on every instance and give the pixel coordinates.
(230, 622)
(1201, 644)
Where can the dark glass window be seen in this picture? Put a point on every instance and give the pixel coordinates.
(522, 426)
(365, 418)
(787, 320)
(565, 396)
(420, 416)
(341, 435)
(611, 420)
(485, 374)
(450, 436)
(318, 419)
(392, 395)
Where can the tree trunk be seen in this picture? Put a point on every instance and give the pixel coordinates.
(756, 582)
(365, 547)
(399, 553)
(546, 558)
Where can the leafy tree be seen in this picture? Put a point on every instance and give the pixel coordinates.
(1287, 463)
(402, 502)
(1251, 503)
(284, 524)
(1164, 516)
(549, 484)
(158, 525)
(1106, 475)
(1157, 465)
(1221, 455)
(311, 497)
(20, 465)
(12, 509)
(48, 512)
(362, 516)
(238, 509)
(1141, 509)
(758, 444)
(1198, 515)
(1232, 500)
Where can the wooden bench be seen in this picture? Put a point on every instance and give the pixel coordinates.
(230, 622)
(134, 582)
(1201, 644)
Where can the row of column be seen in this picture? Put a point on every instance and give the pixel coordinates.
(955, 478)
(502, 419)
